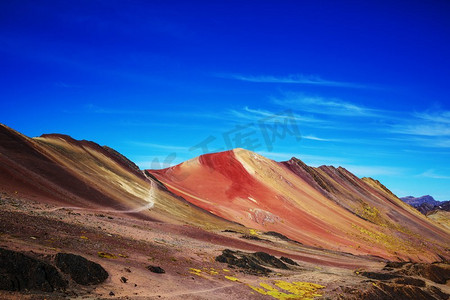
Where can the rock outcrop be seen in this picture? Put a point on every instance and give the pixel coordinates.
(20, 272)
(81, 270)
(257, 263)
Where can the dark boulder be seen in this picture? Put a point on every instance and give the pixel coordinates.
(395, 264)
(253, 237)
(379, 276)
(280, 236)
(269, 260)
(288, 261)
(19, 272)
(156, 269)
(251, 263)
(410, 281)
(81, 270)
(242, 260)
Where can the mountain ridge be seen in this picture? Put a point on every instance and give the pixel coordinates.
(325, 208)
(326, 226)
(205, 182)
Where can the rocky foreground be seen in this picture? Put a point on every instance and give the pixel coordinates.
(63, 253)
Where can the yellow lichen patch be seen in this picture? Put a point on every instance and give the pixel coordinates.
(197, 272)
(226, 270)
(193, 270)
(232, 278)
(84, 237)
(106, 255)
(297, 290)
(371, 213)
(259, 290)
(123, 255)
(389, 241)
(272, 292)
(253, 232)
(204, 271)
(268, 287)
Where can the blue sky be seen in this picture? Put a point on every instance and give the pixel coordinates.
(360, 84)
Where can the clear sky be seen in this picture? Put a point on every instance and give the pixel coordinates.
(360, 84)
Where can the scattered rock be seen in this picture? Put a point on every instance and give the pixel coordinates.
(106, 255)
(229, 230)
(81, 270)
(379, 276)
(288, 261)
(252, 263)
(127, 270)
(156, 269)
(270, 260)
(123, 279)
(409, 281)
(395, 264)
(251, 237)
(438, 273)
(20, 272)
(244, 261)
(111, 293)
(438, 293)
(280, 236)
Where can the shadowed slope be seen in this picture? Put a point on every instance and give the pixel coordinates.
(323, 207)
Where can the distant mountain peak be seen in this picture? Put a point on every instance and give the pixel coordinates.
(417, 201)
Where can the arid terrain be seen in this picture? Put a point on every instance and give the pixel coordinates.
(229, 225)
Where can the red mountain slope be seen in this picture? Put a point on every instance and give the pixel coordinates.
(323, 207)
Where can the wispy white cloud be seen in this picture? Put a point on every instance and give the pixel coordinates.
(423, 141)
(432, 125)
(431, 173)
(293, 79)
(435, 116)
(314, 138)
(424, 129)
(326, 106)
